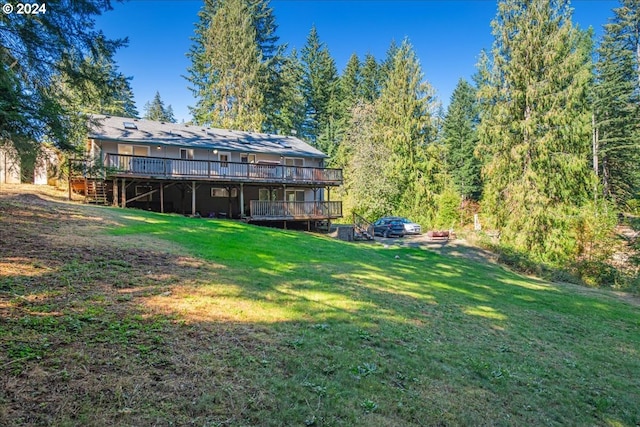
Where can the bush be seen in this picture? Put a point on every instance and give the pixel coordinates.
(600, 274)
(448, 209)
(633, 206)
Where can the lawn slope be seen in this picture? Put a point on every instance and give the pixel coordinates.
(123, 317)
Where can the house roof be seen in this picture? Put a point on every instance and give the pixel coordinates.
(141, 131)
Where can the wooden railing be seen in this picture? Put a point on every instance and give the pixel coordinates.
(121, 164)
(280, 209)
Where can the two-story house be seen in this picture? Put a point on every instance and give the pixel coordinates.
(169, 167)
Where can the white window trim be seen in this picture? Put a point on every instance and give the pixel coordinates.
(141, 189)
(224, 153)
(294, 159)
(190, 153)
(121, 148)
(294, 192)
(223, 192)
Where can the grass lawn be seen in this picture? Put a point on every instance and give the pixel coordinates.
(124, 317)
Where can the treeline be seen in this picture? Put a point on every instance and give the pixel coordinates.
(543, 143)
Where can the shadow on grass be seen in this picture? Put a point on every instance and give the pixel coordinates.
(249, 326)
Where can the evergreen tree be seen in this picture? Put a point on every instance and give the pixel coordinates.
(228, 75)
(94, 86)
(370, 79)
(285, 112)
(536, 127)
(351, 83)
(32, 53)
(101, 90)
(367, 190)
(321, 91)
(616, 102)
(405, 126)
(155, 110)
(461, 138)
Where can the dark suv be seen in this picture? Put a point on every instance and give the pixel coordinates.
(387, 227)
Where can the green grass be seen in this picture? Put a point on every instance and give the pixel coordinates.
(241, 325)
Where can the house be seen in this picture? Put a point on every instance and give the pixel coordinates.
(190, 169)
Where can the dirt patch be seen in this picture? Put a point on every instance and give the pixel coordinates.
(78, 346)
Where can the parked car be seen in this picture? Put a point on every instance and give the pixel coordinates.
(410, 227)
(387, 227)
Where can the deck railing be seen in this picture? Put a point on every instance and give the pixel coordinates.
(121, 164)
(280, 209)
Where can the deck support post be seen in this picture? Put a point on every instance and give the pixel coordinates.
(124, 194)
(193, 198)
(162, 197)
(115, 192)
(241, 200)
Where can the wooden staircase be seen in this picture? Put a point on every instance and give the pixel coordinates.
(361, 228)
(95, 191)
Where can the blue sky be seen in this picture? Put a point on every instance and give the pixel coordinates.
(446, 35)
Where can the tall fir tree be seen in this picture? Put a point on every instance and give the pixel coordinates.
(616, 135)
(321, 90)
(286, 109)
(404, 125)
(351, 83)
(367, 190)
(90, 85)
(536, 127)
(155, 110)
(33, 54)
(460, 137)
(231, 54)
(370, 79)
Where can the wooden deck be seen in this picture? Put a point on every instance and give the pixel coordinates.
(126, 166)
(294, 211)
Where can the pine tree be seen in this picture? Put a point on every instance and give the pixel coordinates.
(351, 83)
(103, 90)
(155, 110)
(321, 91)
(93, 86)
(461, 138)
(535, 129)
(404, 125)
(286, 108)
(616, 106)
(228, 75)
(32, 53)
(367, 190)
(370, 79)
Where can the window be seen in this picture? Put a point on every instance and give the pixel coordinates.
(186, 153)
(133, 150)
(295, 195)
(142, 189)
(130, 125)
(265, 195)
(223, 192)
(294, 161)
(247, 158)
(224, 158)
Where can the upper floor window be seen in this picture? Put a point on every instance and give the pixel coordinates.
(133, 150)
(247, 158)
(186, 153)
(294, 161)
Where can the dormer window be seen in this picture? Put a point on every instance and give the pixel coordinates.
(130, 125)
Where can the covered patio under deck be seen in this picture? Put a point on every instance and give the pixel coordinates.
(239, 200)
